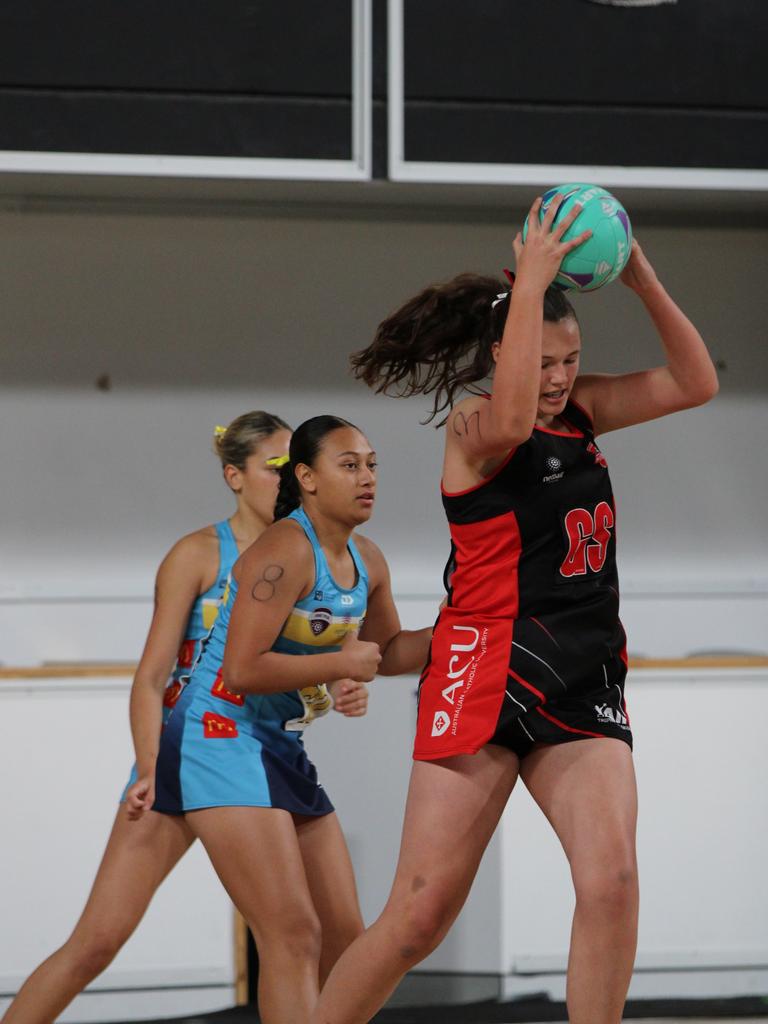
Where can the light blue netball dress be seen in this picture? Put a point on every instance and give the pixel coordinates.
(221, 749)
(201, 619)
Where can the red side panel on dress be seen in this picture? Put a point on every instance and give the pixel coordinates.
(463, 686)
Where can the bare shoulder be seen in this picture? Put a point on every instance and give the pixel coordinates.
(194, 555)
(374, 559)
(367, 548)
(197, 542)
(585, 388)
(284, 541)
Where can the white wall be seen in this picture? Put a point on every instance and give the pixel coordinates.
(65, 758)
(198, 318)
(702, 846)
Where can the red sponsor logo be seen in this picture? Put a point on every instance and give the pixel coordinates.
(186, 654)
(599, 457)
(218, 727)
(172, 693)
(219, 690)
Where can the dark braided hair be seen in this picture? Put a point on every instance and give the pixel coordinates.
(306, 442)
(441, 340)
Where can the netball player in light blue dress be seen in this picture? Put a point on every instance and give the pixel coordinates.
(232, 764)
(141, 852)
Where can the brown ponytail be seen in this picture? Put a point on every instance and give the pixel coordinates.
(441, 340)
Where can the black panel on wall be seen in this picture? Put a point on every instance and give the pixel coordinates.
(565, 81)
(259, 78)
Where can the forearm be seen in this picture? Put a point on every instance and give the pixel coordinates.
(406, 652)
(146, 716)
(516, 378)
(280, 673)
(688, 360)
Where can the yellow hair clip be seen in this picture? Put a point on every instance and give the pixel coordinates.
(219, 431)
(278, 461)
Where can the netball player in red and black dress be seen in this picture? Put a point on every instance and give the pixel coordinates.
(527, 666)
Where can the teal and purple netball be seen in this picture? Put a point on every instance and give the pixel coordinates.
(604, 255)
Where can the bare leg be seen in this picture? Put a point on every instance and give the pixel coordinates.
(453, 808)
(256, 854)
(138, 856)
(331, 885)
(587, 791)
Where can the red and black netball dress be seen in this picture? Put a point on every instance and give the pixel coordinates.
(529, 648)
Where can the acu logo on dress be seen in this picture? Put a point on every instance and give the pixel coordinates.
(440, 723)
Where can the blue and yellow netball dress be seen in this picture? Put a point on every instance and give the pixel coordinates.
(201, 620)
(222, 749)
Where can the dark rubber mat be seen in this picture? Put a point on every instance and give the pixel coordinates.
(520, 1011)
(525, 1011)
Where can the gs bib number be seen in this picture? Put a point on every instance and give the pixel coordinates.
(588, 534)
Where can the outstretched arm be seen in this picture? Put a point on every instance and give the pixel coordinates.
(402, 650)
(273, 574)
(688, 379)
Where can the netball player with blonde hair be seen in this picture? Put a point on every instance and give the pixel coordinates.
(144, 846)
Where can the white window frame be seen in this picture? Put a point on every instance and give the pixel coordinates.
(457, 173)
(358, 168)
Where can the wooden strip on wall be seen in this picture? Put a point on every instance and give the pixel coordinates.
(58, 670)
(68, 670)
(734, 661)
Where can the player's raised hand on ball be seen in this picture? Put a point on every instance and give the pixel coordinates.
(638, 274)
(538, 259)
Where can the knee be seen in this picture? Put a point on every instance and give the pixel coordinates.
(422, 925)
(612, 891)
(295, 933)
(92, 953)
(343, 934)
